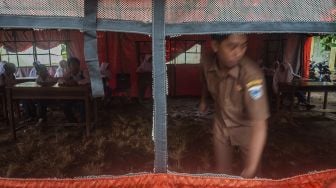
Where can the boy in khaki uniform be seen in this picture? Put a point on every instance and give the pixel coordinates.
(237, 87)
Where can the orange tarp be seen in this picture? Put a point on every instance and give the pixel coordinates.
(319, 179)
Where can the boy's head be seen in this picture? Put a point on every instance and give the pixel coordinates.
(10, 68)
(229, 48)
(63, 64)
(74, 65)
(41, 70)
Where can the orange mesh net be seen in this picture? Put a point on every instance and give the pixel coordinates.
(319, 179)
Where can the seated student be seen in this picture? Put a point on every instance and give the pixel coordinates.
(106, 76)
(268, 73)
(61, 69)
(144, 72)
(74, 76)
(7, 71)
(43, 76)
(37, 109)
(29, 106)
(7, 78)
(43, 79)
(284, 74)
(32, 72)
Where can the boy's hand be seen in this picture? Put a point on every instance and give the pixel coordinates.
(68, 83)
(203, 108)
(248, 173)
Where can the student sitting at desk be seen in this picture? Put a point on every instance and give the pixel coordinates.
(43, 76)
(38, 108)
(73, 77)
(144, 72)
(7, 78)
(7, 71)
(106, 77)
(43, 79)
(33, 72)
(61, 69)
(284, 74)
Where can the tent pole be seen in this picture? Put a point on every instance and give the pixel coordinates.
(90, 47)
(159, 87)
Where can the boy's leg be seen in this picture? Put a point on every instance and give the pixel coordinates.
(80, 107)
(42, 109)
(29, 108)
(241, 137)
(223, 149)
(67, 109)
(301, 97)
(223, 155)
(244, 155)
(141, 86)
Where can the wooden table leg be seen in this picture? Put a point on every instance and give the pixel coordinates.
(10, 112)
(325, 101)
(87, 115)
(308, 97)
(3, 103)
(292, 98)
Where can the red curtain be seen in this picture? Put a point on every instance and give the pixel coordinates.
(291, 49)
(120, 51)
(76, 46)
(25, 38)
(306, 56)
(54, 36)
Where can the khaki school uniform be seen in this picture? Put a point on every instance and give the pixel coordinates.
(240, 97)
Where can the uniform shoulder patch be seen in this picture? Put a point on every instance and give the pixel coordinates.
(254, 82)
(256, 92)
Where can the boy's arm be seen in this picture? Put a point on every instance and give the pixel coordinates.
(259, 133)
(10, 80)
(256, 104)
(86, 79)
(203, 106)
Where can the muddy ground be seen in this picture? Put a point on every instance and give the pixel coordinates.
(298, 142)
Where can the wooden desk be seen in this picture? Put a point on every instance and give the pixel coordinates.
(307, 86)
(31, 90)
(25, 79)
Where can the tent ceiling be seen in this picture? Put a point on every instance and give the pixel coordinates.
(181, 17)
(178, 11)
(68, 8)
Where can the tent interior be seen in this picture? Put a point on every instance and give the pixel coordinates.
(124, 52)
(122, 141)
(164, 133)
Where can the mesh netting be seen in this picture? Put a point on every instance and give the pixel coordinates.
(178, 11)
(125, 10)
(74, 8)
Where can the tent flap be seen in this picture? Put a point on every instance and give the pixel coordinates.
(313, 180)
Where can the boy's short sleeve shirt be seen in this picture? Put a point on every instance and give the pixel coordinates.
(239, 94)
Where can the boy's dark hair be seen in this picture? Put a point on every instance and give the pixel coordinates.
(73, 60)
(219, 37)
(10, 68)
